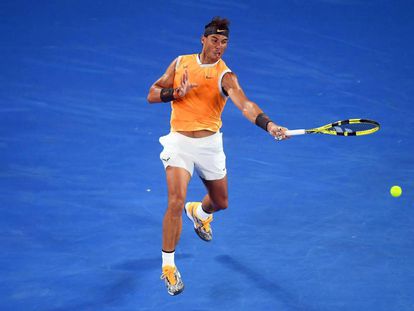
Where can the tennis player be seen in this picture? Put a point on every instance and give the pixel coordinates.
(198, 86)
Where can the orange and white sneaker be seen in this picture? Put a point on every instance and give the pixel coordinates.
(201, 227)
(172, 279)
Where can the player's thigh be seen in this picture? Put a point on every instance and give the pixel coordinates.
(177, 183)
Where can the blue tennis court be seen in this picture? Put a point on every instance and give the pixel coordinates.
(311, 224)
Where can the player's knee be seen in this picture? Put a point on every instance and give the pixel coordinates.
(176, 204)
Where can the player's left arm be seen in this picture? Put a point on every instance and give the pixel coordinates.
(249, 109)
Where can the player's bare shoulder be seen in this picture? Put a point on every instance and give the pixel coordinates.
(230, 81)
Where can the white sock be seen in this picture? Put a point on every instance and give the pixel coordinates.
(201, 213)
(168, 259)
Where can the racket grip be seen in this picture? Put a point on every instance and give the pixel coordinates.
(295, 132)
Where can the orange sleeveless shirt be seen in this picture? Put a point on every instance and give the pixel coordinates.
(201, 107)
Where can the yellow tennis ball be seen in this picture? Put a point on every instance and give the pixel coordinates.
(396, 191)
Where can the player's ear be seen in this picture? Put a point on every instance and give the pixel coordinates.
(203, 39)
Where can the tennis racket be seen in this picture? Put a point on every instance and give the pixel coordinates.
(350, 127)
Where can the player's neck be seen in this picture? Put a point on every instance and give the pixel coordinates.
(205, 60)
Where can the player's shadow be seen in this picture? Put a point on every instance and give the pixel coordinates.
(121, 280)
(263, 283)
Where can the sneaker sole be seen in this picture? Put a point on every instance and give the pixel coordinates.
(192, 220)
(176, 293)
(201, 237)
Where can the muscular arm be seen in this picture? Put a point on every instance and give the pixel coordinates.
(166, 81)
(249, 109)
(231, 85)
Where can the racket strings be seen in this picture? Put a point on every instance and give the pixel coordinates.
(352, 127)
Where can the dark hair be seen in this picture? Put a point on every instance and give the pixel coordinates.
(218, 26)
(218, 22)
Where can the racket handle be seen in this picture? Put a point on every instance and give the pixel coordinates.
(295, 132)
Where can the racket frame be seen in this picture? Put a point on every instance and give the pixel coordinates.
(325, 129)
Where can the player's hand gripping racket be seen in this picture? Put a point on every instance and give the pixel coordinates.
(350, 127)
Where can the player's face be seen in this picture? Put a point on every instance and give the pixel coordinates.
(214, 46)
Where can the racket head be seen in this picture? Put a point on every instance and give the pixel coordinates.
(349, 127)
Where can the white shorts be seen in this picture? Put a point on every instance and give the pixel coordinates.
(204, 154)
